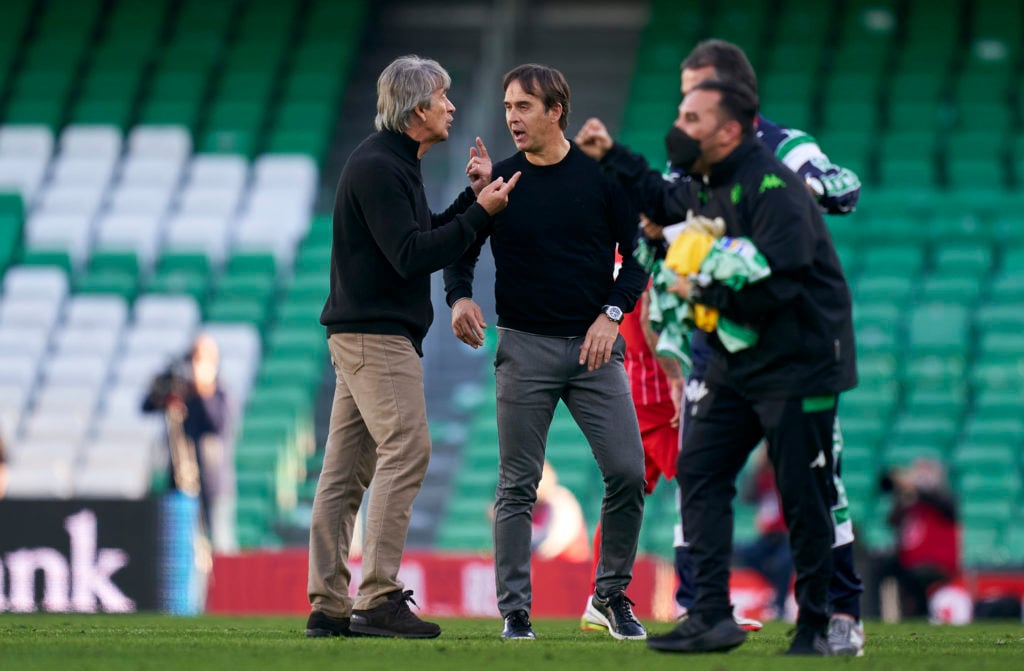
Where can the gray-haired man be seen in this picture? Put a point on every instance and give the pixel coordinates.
(386, 242)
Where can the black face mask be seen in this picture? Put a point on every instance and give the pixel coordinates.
(683, 150)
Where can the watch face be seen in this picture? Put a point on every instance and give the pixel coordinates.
(614, 313)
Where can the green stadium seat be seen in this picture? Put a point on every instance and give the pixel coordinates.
(1007, 318)
(123, 284)
(311, 143)
(981, 116)
(882, 260)
(1007, 287)
(48, 257)
(229, 141)
(916, 87)
(243, 286)
(183, 112)
(179, 282)
(934, 371)
(251, 263)
(884, 288)
(193, 262)
(938, 328)
(902, 454)
(954, 259)
(966, 173)
(951, 289)
(876, 339)
(909, 172)
(294, 341)
(918, 117)
(901, 144)
(115, 112)
(869, 401)
(994, 403)
(48, 112)
(861, 435)
(248, 310)
(993, 431)
(114, 261)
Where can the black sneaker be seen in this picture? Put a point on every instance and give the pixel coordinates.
(809, 642)
(321, 625)
(517, 626)
(694, 635)
(393, 619)
(615, 615)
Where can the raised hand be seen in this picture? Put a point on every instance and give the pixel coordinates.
(594, 139)
(479, 167)
(494, 196)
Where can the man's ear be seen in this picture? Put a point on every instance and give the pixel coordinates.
(734, 129)
(555, 112)
(419, 113)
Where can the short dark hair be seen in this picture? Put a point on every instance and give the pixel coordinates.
(728, 60)
(544, 82)
(738, 102)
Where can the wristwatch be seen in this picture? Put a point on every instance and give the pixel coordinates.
(613, 312)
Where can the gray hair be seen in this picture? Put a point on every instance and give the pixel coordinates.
(406, 83)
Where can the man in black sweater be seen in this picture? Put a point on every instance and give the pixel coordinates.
(385, 244)
(784, 389)
(559, 307)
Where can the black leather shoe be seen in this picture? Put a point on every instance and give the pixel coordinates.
(809, 642)
(517, 626)
(393, 619)
(694, 635)
(321, 625)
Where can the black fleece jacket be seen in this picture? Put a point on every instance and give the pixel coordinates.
(802, 312)
(386, 242)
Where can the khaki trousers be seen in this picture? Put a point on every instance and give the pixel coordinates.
(378, 432)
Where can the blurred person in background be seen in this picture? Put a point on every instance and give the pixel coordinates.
(768, 553)
(559, 528)
(199, 428)
(385, 244)
(559, 308)
(926, 523)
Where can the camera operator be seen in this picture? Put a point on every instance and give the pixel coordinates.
(925, 520)
(198, 418)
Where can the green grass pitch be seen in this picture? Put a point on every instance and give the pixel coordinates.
(153, 643)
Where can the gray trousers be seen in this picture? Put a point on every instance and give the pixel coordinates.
(378, 432)
(532, 373)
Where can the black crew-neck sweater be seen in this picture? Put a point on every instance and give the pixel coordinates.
(554, 248)
(386, 242)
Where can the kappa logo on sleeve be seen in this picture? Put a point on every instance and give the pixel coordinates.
(771, 181)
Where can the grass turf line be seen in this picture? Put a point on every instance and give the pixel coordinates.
(45, 642)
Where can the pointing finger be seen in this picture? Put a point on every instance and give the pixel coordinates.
(481, 148)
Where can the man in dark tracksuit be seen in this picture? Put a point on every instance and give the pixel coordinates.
(784, 388)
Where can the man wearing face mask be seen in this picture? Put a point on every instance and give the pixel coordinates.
(785, 387)
(837, 191)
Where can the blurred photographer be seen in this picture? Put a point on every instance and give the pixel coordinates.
(925, 520)
(198, 418)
